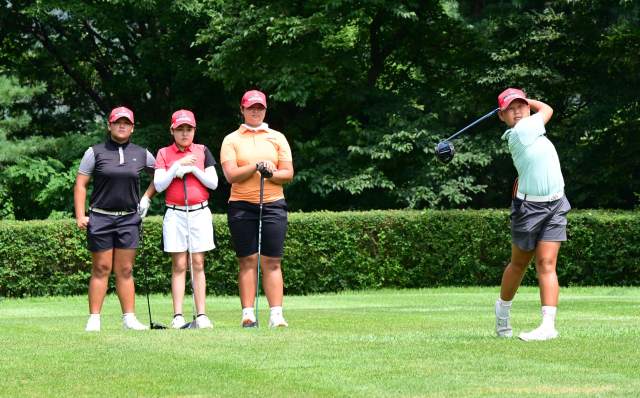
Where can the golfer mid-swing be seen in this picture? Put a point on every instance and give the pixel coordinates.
(538, 211)
(194, 163)
(115, 214)
(252, 151)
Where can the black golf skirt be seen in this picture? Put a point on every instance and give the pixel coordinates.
(243, 225)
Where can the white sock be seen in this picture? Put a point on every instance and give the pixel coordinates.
(548, 317)
(128, 316)
(94, 317)
(276, 311)
(247, 313)
(504, 308)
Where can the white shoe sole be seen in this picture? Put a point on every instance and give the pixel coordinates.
(141, 327)
(280, 323)
(530, 337)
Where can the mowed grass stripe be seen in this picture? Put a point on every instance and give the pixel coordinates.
(431, 342)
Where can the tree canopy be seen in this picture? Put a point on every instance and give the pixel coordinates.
(363, 90)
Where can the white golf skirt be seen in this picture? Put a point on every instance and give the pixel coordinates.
(174, 231)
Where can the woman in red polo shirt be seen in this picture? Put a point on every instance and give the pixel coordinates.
(184, 159)
(242, 151)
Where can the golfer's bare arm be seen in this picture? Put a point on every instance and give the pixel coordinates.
(234, 173)
(151, 191)
(79, 198)
(540, 107)
(284, 173)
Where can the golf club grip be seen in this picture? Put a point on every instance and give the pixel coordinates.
(474, 123)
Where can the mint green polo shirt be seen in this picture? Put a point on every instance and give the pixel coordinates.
(535, 158)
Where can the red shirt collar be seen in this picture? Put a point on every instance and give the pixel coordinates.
(176, 150)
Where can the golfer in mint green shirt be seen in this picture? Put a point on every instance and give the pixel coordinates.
(538, 211)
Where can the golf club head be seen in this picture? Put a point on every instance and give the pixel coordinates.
(158, 326)
(445, 152)
(190, 325)
(251, 325)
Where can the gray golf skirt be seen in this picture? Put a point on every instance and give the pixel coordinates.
(538, 221)
(107, 231)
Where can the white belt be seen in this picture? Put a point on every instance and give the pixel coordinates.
(113, 213)
(192, 207)
(531, 198)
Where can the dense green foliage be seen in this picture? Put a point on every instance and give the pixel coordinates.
(362, 89)
(330, 252)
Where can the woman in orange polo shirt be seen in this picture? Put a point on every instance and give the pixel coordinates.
(242, 152)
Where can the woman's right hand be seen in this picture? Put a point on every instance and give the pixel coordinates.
(82, 223)
(187, 160)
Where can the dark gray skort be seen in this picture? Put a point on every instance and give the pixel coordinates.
(538, 221)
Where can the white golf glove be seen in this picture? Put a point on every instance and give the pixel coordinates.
(183, 170)
(144, 206)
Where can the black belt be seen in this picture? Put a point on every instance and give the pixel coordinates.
(191, 208)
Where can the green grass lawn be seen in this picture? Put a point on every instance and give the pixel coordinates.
(434, 342)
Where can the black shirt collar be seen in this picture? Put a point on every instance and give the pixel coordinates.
(117, 144)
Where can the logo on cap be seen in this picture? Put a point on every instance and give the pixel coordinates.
(508, 95)
(119, 112)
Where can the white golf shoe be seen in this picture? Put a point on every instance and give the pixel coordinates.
(539, 334)
(177, 322)
(503, 325)
(202, 322)
(277, 320)
(248, 319)
(132, 323)
(93, 325)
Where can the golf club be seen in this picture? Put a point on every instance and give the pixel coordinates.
(445, 150)
(146, 281)
(255, 324)
(192, 324)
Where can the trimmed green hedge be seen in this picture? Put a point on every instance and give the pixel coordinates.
(329, 252)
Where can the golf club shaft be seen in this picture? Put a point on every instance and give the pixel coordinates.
(479, 120)
(259, 243)
(193, 292)
(146, 281)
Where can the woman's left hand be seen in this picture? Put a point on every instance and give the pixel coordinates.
(143, 207)
(269, 165)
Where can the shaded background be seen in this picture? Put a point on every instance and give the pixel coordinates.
(363, 91)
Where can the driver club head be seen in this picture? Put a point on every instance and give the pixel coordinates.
(251, 325)
(158, 326)
(189, 325)
(445, 152)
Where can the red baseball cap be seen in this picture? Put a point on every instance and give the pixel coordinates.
(509, 95)
(253, 97)
(119, 112)
(182, 117)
